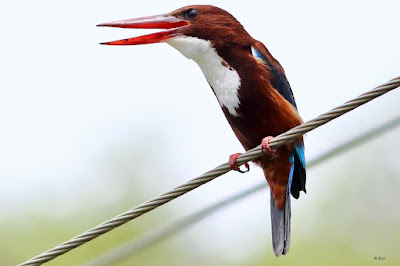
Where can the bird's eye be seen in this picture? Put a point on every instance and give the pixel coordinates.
(191, 13)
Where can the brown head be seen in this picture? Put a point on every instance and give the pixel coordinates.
(205, 22)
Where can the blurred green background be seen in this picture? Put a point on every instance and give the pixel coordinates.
(350, 223)
(90, 131)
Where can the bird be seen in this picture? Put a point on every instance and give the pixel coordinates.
(252, 90)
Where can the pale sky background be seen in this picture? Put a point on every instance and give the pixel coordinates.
(71, 110)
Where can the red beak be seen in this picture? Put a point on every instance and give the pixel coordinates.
(173, 24)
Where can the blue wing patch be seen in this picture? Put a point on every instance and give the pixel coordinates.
(298, 182)
(300, 153)
(291, 160)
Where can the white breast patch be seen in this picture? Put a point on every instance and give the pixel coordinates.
(224, 80)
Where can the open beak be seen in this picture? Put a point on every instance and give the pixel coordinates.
(171, 23)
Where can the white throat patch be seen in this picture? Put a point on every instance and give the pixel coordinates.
(224, 80)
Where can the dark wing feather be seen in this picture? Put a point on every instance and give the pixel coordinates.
(281, 84)
(279, 80)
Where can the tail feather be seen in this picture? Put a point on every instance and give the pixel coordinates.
(280, 223)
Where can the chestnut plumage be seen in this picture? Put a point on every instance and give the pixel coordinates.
(251, 88)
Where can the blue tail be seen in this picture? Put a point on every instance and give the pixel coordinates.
(280, 219)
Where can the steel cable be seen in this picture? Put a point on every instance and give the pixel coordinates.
(210, 175)
(133, 246)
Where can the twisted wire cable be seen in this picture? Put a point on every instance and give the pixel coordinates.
(254, 153)
(148, 239)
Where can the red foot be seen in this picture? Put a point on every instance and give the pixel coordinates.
(265, 146)
(233, 165)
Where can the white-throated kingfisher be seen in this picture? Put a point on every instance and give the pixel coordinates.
(251, 88)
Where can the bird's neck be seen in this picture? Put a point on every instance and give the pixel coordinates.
(242, 85)
(223, 78)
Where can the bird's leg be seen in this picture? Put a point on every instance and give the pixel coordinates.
(234, 166)
(265, 146)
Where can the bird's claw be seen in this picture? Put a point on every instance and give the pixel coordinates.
(234, 166)
(266, 147)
